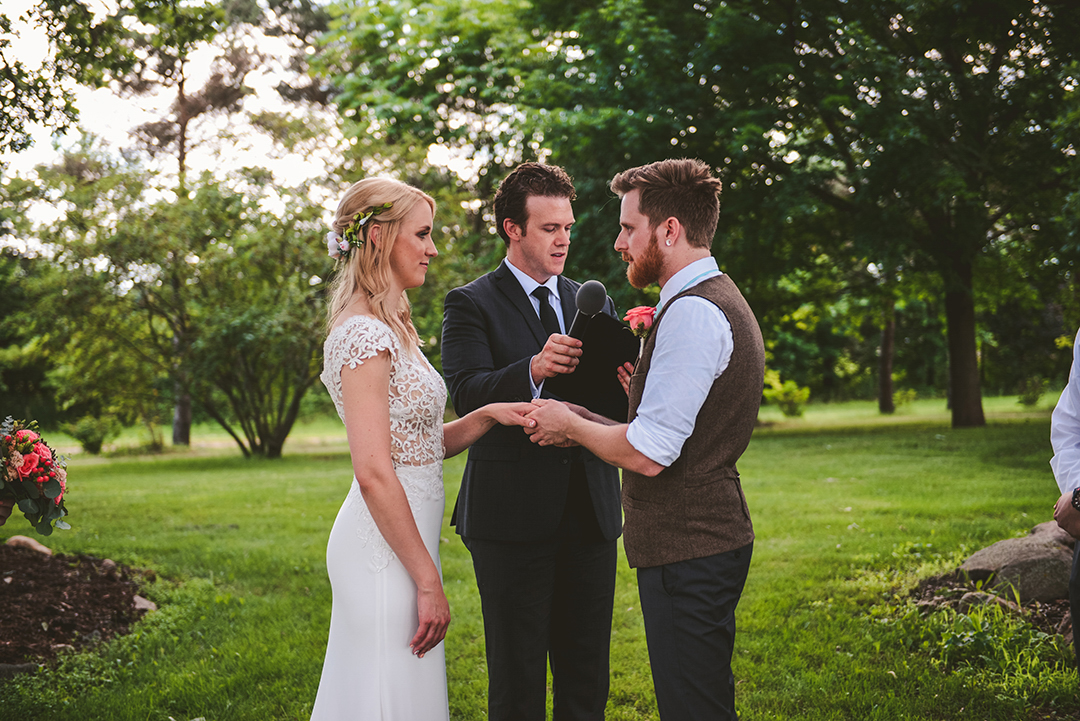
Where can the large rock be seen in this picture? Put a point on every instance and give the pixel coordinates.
(1037, 566)
(27, 542)
(1052, 531)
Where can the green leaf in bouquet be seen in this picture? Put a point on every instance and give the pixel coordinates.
(29, 506)
(30, 488)
(44, 528)
(52, 488)
(53, 512)
(63, 525)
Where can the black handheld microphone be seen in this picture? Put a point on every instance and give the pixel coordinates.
(590, 299)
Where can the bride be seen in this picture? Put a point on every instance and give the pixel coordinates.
(384, 657)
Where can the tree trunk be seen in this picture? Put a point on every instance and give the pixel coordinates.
(181, 427)
(965, 394)
(885, 360)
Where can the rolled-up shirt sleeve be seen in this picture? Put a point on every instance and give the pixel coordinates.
(1065, 430)
(693, 347)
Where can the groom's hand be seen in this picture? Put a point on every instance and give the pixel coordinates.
(552, 419)
(560, 354)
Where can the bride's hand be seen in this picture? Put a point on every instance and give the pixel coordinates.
(511, 414)
(434, 612)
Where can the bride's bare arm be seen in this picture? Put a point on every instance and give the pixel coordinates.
(462, 433)
(365, 392)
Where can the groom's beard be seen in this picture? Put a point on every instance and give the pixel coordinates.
(645, 270)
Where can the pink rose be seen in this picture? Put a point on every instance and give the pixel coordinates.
(43, 452)
(29, 463)
(25, 435)
(640, 319)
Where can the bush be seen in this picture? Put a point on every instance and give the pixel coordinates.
(92, 432)
(787, 394)
(1031, 390)
(904, 397)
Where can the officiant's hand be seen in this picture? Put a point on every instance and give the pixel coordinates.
(5, 510)
(552, 421)
(434, 613)
(625, 371)
(1066, 516)
(560, 354)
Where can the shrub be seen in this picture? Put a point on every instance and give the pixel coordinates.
(1031, 390)
(92, 432)
(787, 394)
(904, 397)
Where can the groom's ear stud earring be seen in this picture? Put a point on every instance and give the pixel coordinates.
(669, 243)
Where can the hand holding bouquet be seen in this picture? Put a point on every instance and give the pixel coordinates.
(32, 475)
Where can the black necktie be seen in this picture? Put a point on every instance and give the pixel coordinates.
(547, 313)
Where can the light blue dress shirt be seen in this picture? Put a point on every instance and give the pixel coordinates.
(1065, 429)
(693, 347)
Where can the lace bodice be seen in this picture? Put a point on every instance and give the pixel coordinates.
(417, 391)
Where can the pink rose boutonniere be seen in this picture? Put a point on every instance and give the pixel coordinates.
(640, 320)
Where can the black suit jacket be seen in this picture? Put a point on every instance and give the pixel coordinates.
(512, 489)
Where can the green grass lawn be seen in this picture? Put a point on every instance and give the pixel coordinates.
(849, 509)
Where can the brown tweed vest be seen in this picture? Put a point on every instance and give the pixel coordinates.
(695, 507)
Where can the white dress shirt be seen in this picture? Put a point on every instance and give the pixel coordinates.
(690, 354)
(1065, 429)
(529, 285)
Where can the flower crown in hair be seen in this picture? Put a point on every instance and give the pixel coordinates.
(355, 235)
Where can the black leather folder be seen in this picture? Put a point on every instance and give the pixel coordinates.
(607, 343)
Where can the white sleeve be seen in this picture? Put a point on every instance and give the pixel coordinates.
(1065, 429)
(692, 349)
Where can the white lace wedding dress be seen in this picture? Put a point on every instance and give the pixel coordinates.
(370, 673)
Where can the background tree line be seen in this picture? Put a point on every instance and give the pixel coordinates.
(900, 202)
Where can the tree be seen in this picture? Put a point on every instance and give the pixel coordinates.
(932, 126)
(82, 48)
(245, 282)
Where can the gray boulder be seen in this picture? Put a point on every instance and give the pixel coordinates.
(1052, 531)
(1037, 566)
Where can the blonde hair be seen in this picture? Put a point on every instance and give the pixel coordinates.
(367, 268)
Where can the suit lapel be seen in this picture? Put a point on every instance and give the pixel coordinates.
(515, 294)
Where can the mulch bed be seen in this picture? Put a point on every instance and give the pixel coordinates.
(947, 590)
(51, 603)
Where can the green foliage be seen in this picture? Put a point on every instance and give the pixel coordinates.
(787, 394)
(209, 294)
(987, 640)
(82, 46)
(904, 397)
(920, 139)
(92, 432)
(1032, 389)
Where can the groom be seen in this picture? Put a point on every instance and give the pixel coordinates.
(694, 397)
(541, 523)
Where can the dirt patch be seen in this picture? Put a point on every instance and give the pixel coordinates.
(51, 603)
(948, 589)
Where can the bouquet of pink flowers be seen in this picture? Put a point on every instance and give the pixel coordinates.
(32, 475)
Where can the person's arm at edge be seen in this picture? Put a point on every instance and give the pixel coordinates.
(1065, 439)
(365, 392)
